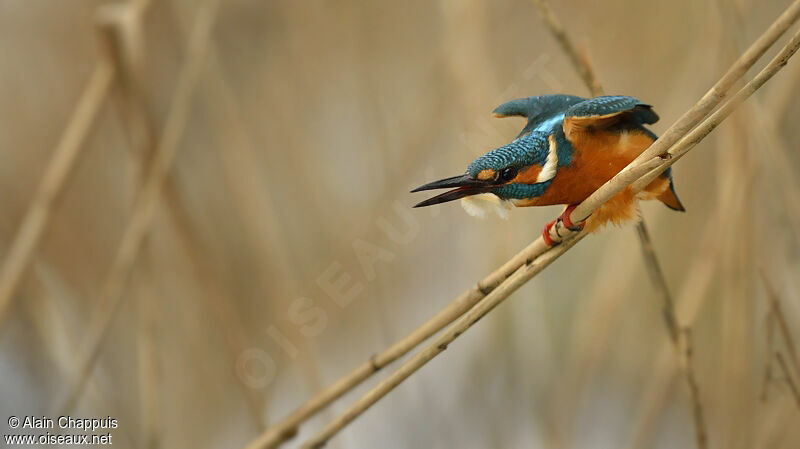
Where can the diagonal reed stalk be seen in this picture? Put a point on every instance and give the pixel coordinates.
(522, 275)
(655, 159)
(580, 61)
(146, 201)
(776, 311)
(587, 73)
(122, 25)
(51, 187)
(663, 376)
(787, 374)
(539, 262)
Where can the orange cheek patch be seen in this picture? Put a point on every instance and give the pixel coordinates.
(486, 174)
(528, 175)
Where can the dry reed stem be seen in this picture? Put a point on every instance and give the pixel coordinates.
(147, 198)
(684, 145)
(122, 24)
(788, 376)
(596, 322)
(218, 302)
(692, 117)
(775, 148)
(776, 311)
(239, 160)
(670, 318)
(58, 337)
(287, 427)
(239, 156)
(692, 299)
(784, 96)
(440, 343)
(770, 321)
(236, 144)
(687, 363)
(58, 171)
(580, 61)
(120, 27)
(657, 277)
(691, 139)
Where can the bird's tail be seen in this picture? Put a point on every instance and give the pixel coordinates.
(669, 197)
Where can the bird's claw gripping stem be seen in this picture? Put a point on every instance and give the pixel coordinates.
(546, 234)
(568, 223)
(563, 218)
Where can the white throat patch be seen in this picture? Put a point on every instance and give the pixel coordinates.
(484, 204)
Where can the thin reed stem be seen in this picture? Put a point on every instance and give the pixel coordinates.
(440, 343)
(579, 61)
(59, 170)
(692, 117)
(541, 261)
(287, 427)
(146, 201)
(776, 311)
(701, 432)
(789, 379)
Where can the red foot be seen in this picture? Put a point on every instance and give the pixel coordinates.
(546, 234)
(567, 222)
(563, 218)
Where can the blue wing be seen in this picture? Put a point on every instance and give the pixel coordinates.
(537, 109)
(618, 112)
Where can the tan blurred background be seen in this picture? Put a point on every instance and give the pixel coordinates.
(306, 127)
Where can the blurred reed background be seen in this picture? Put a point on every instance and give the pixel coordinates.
(282, 250)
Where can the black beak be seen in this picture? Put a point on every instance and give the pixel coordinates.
(464, 186)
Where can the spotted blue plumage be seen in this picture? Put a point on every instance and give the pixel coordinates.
(537, 109)
(637, 112)
(546, 115)
(530, 149)
(527, 150)
(603, 105)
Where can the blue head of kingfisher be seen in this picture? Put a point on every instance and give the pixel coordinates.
(521, 170)
(569, 147)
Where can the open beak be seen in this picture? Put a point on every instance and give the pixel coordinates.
(462, 186)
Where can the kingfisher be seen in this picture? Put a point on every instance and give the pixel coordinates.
(569, 147)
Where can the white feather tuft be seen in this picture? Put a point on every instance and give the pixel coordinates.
(483, 204)
(551, 164)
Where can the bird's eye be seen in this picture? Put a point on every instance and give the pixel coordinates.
(507, 174)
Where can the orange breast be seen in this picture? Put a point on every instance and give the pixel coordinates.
(598, 156)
